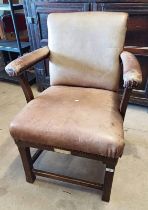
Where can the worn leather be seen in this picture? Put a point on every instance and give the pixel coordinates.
(22, 63)
(85, 48)
(132, 74)
(73, 118)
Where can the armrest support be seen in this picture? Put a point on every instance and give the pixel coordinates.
(132, 75)
(22, 63)
(26, 88)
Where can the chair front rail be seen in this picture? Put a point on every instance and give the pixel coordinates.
(106, 160)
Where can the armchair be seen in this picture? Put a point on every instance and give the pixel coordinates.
(80, 113)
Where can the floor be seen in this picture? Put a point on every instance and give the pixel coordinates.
(130, 187)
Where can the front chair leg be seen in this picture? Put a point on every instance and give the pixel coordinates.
(108, 179)
(27, 163)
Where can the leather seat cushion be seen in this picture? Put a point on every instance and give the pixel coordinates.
(73, 118)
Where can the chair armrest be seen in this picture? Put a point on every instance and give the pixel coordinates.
(132, 74)
(22, 63)
(132, 77)
(16, 67)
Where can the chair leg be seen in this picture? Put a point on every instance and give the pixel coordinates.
(108, 179)
(27, 163)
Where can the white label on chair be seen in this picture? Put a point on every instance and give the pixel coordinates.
(62, 151)
(110, 170)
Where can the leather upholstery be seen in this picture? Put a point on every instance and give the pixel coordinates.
(73, 118)
(132, 74)
(85, 48)
(22, 63)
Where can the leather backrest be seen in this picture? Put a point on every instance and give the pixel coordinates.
(85, 48)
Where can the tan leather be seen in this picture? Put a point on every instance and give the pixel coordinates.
(73, 118)
(22, 63)
(132, 74)
(85, 48)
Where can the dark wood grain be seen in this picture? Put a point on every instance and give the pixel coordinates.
(124, 101)
(26, 88)
(108, 180)
(31, 173)
(36, 155)
(27, 163)
(68, 179)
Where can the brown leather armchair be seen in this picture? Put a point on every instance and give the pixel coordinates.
(80, 113)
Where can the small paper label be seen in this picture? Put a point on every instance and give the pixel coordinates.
(62, 151)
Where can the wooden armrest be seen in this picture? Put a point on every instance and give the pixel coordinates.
(132, 77)
(22, 63)
(16, 67)
(132, 74)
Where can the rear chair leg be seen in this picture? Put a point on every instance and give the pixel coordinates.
(108, 179)
(27, 163)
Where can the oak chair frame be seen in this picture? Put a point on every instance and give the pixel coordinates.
(131, 80)
(28, 160)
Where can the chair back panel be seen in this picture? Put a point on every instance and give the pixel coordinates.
(85, 48)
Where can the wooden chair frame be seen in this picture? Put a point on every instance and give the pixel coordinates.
(28, 160)
(132, 76)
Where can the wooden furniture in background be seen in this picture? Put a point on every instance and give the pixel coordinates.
(36, 12)
(12, 45)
